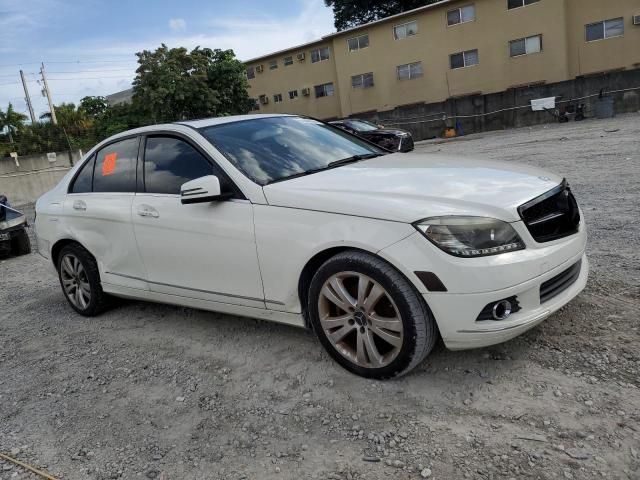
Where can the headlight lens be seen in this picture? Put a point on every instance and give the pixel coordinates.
(470, 236)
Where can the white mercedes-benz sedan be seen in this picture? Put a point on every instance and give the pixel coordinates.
(289, 219)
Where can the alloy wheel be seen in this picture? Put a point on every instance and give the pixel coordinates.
(360, 319)
(75, 281)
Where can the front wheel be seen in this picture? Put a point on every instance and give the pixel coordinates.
(368, 316)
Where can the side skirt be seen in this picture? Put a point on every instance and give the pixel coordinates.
(293, 319)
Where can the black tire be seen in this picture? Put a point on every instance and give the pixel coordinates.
(99, 301)
(420, 330)
(21, 243)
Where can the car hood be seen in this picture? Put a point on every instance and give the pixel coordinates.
(411, 186)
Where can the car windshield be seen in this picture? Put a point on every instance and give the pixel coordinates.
(362, 125)
(276, 148)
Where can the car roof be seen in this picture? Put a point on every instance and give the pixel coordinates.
(208, 122)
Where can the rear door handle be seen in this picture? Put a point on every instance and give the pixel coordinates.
(79, 205)
(147, 211)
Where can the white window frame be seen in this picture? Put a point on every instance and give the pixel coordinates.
(358, 38)
(404, 26)
(277, 98)
(459, 9)
(524, 4)
(526, 45)
(604, 29)
(295, 94)
(362, 84)
(324, 89)
(319, 50)
(287, 61)
(464, 58)
(412, 76)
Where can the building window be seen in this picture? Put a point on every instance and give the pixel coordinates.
(464, 59)
(461, 15)
(293, 94)
(288, 61)
(357, 43)
(364, 80)
(251, 73)
(277, 98)
(324, 90)
(255, 105)
(319, 54)
(409, 71)
(525, 46)
(511, 4)
(273, 64)
(607, 29)
(405, 30)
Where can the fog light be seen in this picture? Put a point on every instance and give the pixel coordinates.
(501, 310)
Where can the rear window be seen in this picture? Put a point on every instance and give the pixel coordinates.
(115, 169)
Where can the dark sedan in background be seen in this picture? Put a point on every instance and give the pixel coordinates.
(389, 138)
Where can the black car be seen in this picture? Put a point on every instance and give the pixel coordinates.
(13, 234)
(391, 139)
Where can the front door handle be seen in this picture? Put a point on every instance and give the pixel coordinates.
(147, 211)
(79, 205)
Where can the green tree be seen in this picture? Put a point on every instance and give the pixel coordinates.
(171, 84)
(11, 121)
(351, 13)
(70, 118)
(175, 84)
(93, 106)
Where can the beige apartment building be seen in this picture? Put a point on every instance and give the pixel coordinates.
(452, 48)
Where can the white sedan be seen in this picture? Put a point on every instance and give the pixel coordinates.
(289, 219)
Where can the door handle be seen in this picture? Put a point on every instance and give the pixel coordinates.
(79, 205)
(147, 211)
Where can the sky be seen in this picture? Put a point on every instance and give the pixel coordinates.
(88, 46)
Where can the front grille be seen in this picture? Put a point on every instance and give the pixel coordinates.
(558, 284)
(552, 215)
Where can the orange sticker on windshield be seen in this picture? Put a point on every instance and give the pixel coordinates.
(109, 165)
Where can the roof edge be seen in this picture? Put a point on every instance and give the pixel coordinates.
(348, 30)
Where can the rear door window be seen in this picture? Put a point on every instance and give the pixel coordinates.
(115, 169)
(170, 162)
(84, 179)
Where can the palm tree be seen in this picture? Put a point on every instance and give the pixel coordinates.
(11, 121)
(69, 117)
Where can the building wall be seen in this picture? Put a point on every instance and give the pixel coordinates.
(565, 54)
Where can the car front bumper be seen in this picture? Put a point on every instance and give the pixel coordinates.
(459, 312)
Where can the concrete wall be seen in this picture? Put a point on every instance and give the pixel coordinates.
(565, 55)
(425, 120)
(34, 176)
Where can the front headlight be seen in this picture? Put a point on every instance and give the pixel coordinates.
(470, 236)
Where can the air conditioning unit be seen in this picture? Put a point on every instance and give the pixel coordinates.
(636, 19)
(259, 69)
(306, 92)
(301, 57)
(264, 99)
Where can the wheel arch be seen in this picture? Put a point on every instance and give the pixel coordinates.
(59, 245)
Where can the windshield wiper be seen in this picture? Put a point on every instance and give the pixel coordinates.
(355, 158)
(330, 165)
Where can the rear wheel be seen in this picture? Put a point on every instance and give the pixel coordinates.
(21, 244)
(80, 281)
(369, 317)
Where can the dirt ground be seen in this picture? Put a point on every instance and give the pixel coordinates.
(153, 391)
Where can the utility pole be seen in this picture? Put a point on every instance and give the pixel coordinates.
(46, 92)
(27, 97)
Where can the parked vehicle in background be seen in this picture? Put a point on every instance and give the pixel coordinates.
(13, 234)
(288, 219)
(390, 138)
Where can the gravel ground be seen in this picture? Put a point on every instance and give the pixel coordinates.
(153, 391)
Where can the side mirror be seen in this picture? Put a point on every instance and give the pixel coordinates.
(201, 190)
